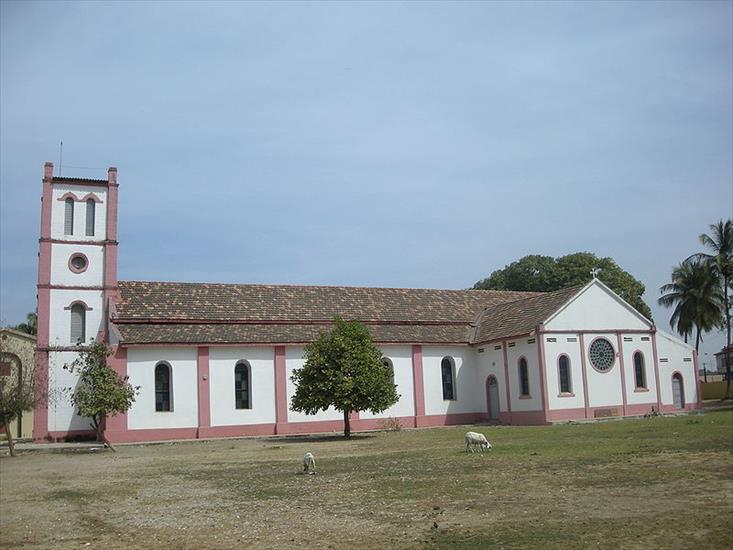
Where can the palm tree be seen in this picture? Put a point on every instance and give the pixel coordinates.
(697, 298)
(720, 243)
(30, 326)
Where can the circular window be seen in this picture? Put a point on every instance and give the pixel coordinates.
(78, 263)
(602, 354)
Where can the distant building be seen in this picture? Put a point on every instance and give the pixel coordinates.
(720, 358)
(16, 360)
(215, 360)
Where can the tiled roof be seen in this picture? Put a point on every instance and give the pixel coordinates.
(520, 316)
(198, 313)
(281, 334)
(228, 302)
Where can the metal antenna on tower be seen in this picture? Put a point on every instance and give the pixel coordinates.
(61, 155)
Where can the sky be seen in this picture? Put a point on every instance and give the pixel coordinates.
(372, 144)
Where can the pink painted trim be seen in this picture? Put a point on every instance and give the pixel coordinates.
(110, 266)
(91, 196)
(655, 356)
(112, 210)
(615, 352)
(78, 302)
(69, 434)
(44, 307)
(450, 419)
(117, 362)
(68, 195)
(560, 393)
(519, 378)
(506, 379)
(619, 341)
(89, 242)
(281, 388)
(584, 371)
(237, 431)
(371, 424)
(541, 359)
(76, 287)
(163, 434)
(75, 269)
(418, 382)
(529, 418)
(204, 395)
(697, 378)
(40, 411)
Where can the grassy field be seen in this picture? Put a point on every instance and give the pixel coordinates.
(651, 483)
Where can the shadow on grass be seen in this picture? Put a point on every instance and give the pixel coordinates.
(319, 438)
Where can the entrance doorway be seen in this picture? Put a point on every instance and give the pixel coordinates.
(678, 391)
(492, 397)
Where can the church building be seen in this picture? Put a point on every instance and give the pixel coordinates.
(215, 360)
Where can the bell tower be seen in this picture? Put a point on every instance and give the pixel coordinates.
(77, 283)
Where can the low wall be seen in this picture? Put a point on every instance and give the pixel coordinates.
(712, 390)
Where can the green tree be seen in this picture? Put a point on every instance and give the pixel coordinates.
(545, 274)
(30, 326)
(697, 298)
(18, 394)
(343, 369)
(720, 260)
(100, 391)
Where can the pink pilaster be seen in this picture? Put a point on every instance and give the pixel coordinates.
(656, 370)
(281, 391)
(110, 247)
(583, 368)
(623, 371)
(204, 394)
(506, 381)
(418, 384)
(543, 373)
(115, 426)
(40, 411)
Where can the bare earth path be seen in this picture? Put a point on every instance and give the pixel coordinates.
(652, 483)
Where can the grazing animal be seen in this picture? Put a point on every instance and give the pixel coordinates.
(309, 464)
(474, 440)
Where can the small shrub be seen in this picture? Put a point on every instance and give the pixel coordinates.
(391, 424)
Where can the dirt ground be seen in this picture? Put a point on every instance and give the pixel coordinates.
(657, 483)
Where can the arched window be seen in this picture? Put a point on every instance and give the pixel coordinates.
(563, 367)
(163, 401)
(448, 377)
(242, 385)
(78, 323)
(523, 377)
(388, 363)
(639, 370)
(69, 216)
(91, 206)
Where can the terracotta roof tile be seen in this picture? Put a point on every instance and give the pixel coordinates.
(520, 316)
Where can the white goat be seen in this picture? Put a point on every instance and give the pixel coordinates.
(309, 464)
(474, 440)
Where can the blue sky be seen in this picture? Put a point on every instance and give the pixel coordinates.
(379, 144)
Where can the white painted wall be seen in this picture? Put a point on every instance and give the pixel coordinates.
(468, 393)
(676, 351)
(596, 309)
(634, 396)
(490, 362)
(401, 358)
(141, 370)
(294, 360)
(61, 414)
(60, 318)
(553, 351)
(80, 213)
(529, 351)
(262, 390)
(604, 388)
(61, 274)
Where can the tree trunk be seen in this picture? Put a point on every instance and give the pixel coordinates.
(100, 435)
(727, 347)
(347, 425)
(11, 444)
(697, 342)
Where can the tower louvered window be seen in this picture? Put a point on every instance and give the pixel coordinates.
(91, 207)
(78, 324)
(69, 216)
